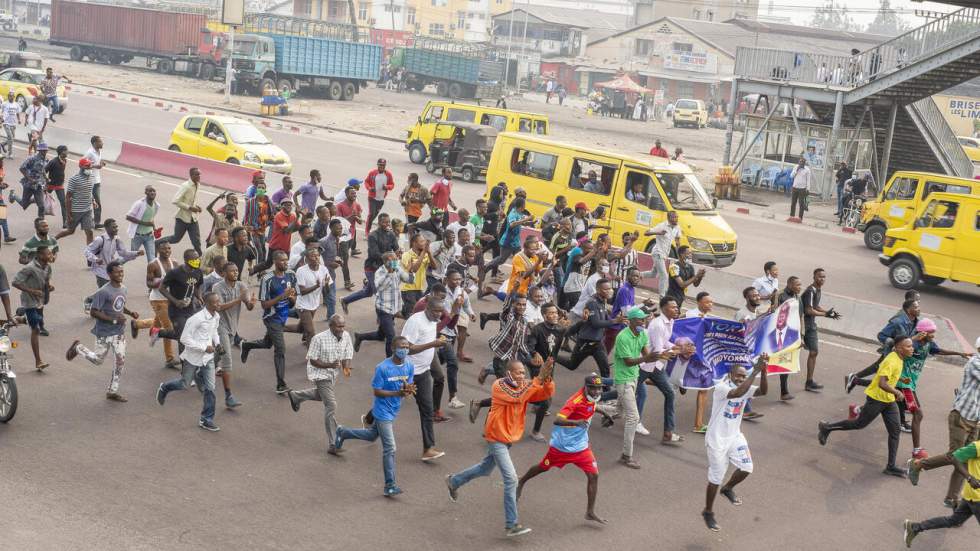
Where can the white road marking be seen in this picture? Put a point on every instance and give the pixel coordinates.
(133, 174)
(204, 191)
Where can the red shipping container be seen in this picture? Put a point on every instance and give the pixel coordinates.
(135, 30)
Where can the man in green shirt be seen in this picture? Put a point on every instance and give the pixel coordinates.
(187, 210)
(41, 239)
(629, 352)
(966, 461)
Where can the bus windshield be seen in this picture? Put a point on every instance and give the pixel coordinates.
(684, 191)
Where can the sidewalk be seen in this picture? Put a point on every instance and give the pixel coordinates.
(776, 205)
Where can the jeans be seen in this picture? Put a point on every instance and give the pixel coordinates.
(97, 197)
(423, 399)
(840, 199)
(116, 343)
(631, 417)
(33, 195)
(498, 454)
(374, 209)
(447, 355)
(323, 391)
(330, 298)
(147, 242)
(273, 339)
(365, 292)
(659, 378)
(798, 196)
(963, 511)
(204, 375)
(54, 106)
(438, 382)
(384, 429)
(60, 194)
(583, 349)
(180, 228)
(660, 267)
(10, 130)
(872, 408)
(386, 332)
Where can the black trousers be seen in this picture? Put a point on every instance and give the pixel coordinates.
(963, 511)
(873, 408)
(180, 228)
(423, 398)
(799, 196)
(583, 349)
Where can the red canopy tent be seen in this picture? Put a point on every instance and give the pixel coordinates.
(624, 83)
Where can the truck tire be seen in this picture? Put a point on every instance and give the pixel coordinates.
(265, 84)
(874, 237)
(335, 91)
(904, 273)
(285, 85)
(75, 53)
(349, 91)
(418, 86)
(442, 89)
(468, 174)
(165, 66)
(455, 90)
(417, 153)
(207, 71)
(115, 59)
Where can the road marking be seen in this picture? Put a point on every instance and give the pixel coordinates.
(204, 191)
(133, 174)
(851, 348)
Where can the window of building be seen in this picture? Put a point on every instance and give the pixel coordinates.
(460, 19)
(682, 47)
(697, 14)
(410, 16)
(533, 164)
(440, 3)
(303, 7)
(643, 47)
(362, 11)
(437, 29)
(684, 89)
(711, 15)
(337, 9)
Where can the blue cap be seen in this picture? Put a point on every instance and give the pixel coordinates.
(354, 182)
(42, 146)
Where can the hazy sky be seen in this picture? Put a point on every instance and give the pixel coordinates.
(862, 11)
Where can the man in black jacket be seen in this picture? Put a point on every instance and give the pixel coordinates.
(380, 241)
(590, 333)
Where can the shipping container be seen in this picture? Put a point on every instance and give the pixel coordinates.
(457, 74)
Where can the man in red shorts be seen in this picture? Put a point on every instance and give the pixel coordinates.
(570, 442)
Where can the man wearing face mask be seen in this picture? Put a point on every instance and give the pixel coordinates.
(570, 443)
(380, 241)
(387, 301)
(589, 337)
(392, 381)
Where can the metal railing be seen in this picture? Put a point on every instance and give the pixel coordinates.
(852, 71)
(284, 24)
(940, 137)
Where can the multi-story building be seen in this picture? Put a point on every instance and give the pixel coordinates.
(698, 10)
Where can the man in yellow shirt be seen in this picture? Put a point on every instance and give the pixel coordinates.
(415, 261)
(966, 461)
(881, 400)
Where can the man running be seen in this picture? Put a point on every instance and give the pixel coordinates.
(966, 462)
(724, 440)
(155, 272)
(379, 183)
(34, 283)
(187, 210)
(232, 294)
(570, 443)
(277, 294)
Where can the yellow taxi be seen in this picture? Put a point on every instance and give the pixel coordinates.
(971, 146)
(228, 139)
(25, 83)
(941, 243)
(690, 112)
(636, 193)
(900, 198)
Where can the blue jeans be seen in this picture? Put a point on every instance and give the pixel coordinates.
(384, 429)
(54, 104)
(497, 454)
(659, 378)
(147, 242)
(204, 375)
(367, 291)
(330, 299)
(840, 198)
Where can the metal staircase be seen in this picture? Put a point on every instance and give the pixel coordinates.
(904, 71)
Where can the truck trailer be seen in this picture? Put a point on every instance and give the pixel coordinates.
(457, 70)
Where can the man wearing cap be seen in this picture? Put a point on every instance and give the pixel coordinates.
(78, 195)
(33, 181)
(378, 183)
(341, 195)
(351, 211)
(570, 442)
(580, 220)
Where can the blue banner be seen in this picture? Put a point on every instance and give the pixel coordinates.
(707, 349)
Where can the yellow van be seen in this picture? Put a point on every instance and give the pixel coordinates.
(941, 243)
(637, 193)
(901, 196)
(971, 146)
(420, 136)
(690, 112)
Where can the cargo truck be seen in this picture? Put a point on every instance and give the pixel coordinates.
(171, 42)
(456, 70)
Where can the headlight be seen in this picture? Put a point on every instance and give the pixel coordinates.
(251, 157)
(4, 344)
(699, 244)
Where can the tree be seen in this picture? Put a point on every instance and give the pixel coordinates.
(834, 17)
(887, 22)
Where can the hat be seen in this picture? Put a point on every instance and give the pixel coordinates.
(258, 174)
(286, 199)
(581, 205)
(636, 313)
(42, 146)
(353, 182)
(84, 163)
(593, 380)
(925, 325)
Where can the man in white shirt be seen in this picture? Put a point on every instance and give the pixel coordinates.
(200, 340)
(330, 353)
(94, 154)
(36, 121)
(462, 222)
(668, 234)
(311, 278)
(724, 440)
(802, 177)
(11, 119)
(421, 331)
(658, 334)
(768, 284)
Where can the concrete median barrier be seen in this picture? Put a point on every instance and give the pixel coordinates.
(170, 163)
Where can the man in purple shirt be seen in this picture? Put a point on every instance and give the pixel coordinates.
(625, 299)
(307, 193)
(284, 192)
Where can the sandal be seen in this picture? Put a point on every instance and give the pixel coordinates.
(700, 430)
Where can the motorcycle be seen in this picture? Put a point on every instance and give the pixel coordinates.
(8, 379)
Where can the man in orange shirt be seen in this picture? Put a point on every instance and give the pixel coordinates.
(658, 151)
(505, 425)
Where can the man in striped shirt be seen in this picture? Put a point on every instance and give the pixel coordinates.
(387, 301)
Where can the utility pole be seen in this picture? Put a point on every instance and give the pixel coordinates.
(229, 68)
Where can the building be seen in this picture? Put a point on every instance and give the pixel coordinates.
(689, 58)
(699, 10)
(615, 7)
(552, 31)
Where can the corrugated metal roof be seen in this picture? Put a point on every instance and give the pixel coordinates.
(598, 24)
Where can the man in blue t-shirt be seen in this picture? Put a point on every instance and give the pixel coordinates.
(277, 293)
(392, 381)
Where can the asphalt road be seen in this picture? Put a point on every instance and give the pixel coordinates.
(80, 472)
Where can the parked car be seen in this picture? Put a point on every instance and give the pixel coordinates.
(228, 139)
(26, 83)
(690, 112)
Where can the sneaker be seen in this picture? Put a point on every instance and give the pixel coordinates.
(731, 496)
(629, 462)
(364, 424)
(537, 436)
(246, 347)
(474, 410)
(231, 402)
(338, 442)
(43, 332)
(453, 492)
(640, 429)
(115, 397)
(920, 453)
(822, 433)
(431, 454)
(282, 389)
(393, 491)
(709, 521)
(950, 503)
(813, 386)
(786, 397)
(208, 425)
(849, 382)
(753, 416)
(161, 394)
(133, 330)
(455, 403)
(293, 403)
(438, 417)
(910, 532)
(517, 530)
(72, 352)
(175, 365)
(154, 335)
(905, 427)
(892, 470)
(913, 472)
(853, 411)
(357, 343)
